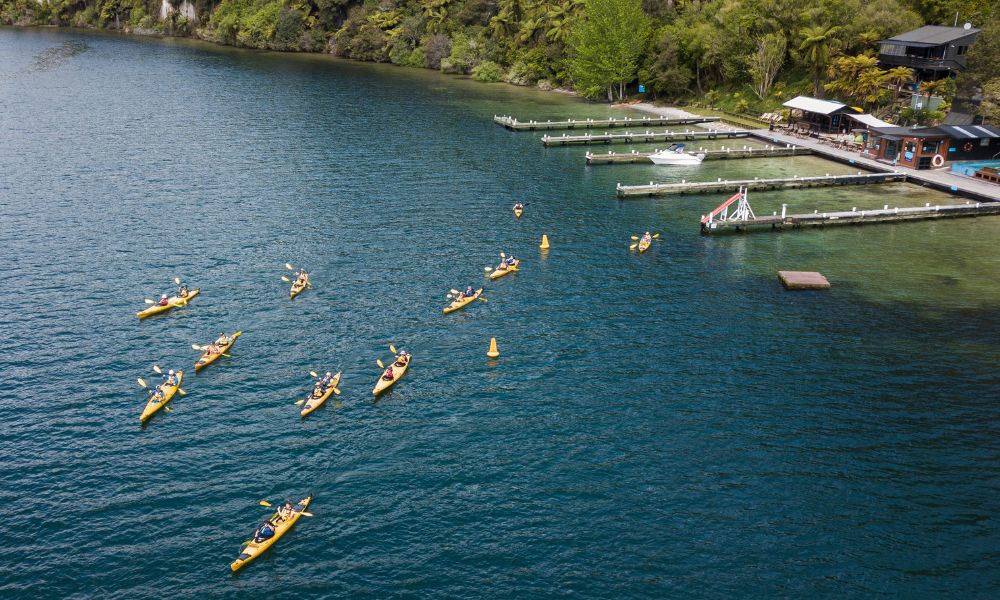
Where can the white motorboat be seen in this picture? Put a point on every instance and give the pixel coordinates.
(675, 155)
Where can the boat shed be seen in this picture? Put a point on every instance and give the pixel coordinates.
(931, 147)
(972, 142)
(820, 116)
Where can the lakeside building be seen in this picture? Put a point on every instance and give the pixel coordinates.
(933, 51)
(820, 116)
(931, 147)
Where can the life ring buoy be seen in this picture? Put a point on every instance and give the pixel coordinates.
(967, 147)
(938, 160)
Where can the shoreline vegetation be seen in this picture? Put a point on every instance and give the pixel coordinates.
(739, 56)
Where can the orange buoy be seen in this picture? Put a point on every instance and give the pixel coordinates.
(493, 352)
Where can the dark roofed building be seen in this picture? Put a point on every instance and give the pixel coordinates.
(929, 147)
(933, 51)
(822, 116)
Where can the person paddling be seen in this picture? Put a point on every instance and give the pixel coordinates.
(388, 376)
(183, 291)
(171, 378)
(511, 260)
(503, 262)
(518, 206)
(401, 359)
(469, 291)
(264, 532)
(223, 340)
(286, 511)
(646, 238)
(163, 300)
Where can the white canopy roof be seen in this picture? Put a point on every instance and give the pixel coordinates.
(823, 107)
(869, 120)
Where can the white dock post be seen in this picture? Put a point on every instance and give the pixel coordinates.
(783, 207)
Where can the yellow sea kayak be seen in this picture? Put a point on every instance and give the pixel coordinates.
(517, 212)
(397, 372)
(207, 359)
(297, 288)
(312, 403)
(255, 549)
(457, 304)
(172, 302)
(156, 403)
(498, 273)
(644, 245)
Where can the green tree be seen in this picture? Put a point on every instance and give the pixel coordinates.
(815, 48)
(990, 106)
(766, 62)
(607, 44)
(898, 77)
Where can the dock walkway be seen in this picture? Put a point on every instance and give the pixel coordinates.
(621, 158)
(854, 217)
(940, 179)
(639, 137)
(784, 183)
(514, 124)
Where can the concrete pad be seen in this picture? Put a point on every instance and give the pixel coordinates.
(803, 280)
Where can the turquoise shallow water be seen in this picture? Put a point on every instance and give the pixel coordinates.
(666, 425)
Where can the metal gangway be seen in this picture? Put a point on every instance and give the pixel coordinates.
(742, 212)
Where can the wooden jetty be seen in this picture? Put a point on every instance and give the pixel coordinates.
(514, 124)
(854, 217)
(785, 183)
(616, 158)
(638, 137)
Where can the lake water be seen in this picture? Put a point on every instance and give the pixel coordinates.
(666, 425)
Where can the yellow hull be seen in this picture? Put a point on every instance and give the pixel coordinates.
(168, 393)
(457, 304)
(314, 403)
(296, 290)
(497, 274)
(253, 549)
(206, 359)
(517, 212)
(397, 373)
(172, 302)
(643, 246)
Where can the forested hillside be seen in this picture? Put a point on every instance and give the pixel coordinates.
(740, 54)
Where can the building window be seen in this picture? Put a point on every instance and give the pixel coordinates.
(929, 147)
(962, 50)
(893, 49)
(984, 142)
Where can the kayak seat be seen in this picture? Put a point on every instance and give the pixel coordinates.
(243, 556)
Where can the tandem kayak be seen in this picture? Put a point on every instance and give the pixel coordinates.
(207, 359)
(312, 403)
(172, 302)
(155, 404)
(297, 289)
(255, 549)
(498, 273)
(644, 245)
(457, 304)
(397, 373)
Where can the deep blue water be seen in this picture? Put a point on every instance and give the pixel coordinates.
(665, 425)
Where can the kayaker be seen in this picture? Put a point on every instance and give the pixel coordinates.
(286, 510)
(156, 394)
(511, 260)
(503, 262)
(469, 291)
(460, 296)
(183, 291)
(318, 389)
(401, 359)
(212, 349)
(646, 237)
(327, 379)
(163, 300)
(265, 531)
(518, 206)
(223, 340)
(171, 378)
(388, 376)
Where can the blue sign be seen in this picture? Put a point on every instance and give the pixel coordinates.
(908, 155)
(642, 89)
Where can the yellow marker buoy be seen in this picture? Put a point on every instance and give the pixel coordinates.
(493, 352)
(545, 242)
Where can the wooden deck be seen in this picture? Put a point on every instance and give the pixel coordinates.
(621, 158)
(639, 137)
(514, 124)
(855, 217)
(785, 183)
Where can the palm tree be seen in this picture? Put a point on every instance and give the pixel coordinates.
(815, 49)
(932, 87)
(898, 77)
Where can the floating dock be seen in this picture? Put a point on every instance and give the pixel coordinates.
(615, 158)
(639, 137)
(651, 121)
(803, 280)
(786, 183)
(854, 217)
